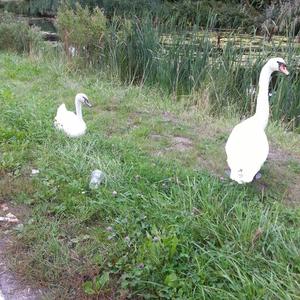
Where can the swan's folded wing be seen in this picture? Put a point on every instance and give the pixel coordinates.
(70, 124)
(61, 110)
(247, 149)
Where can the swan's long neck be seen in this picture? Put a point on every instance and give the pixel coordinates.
(78, 108)
(262, 106)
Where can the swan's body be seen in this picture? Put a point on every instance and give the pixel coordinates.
(69, 122)
(247, 147)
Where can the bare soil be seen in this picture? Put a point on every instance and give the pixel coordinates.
(11, 286)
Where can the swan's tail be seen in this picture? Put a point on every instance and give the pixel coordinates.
(240, 176)
(58, 118)
(62, 109)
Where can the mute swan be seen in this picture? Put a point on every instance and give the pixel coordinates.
(247, 147)
(72, 123)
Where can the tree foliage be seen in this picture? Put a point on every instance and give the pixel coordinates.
(267, 16)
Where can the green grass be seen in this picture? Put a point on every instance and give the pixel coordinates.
(175, 229)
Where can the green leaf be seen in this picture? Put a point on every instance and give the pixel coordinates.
(171, 280)
(88, 287)
(102, 281)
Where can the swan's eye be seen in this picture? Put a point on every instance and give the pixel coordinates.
(281, 64)
(86, 101)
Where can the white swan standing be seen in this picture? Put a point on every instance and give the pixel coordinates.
(69, 122)
(247, 147)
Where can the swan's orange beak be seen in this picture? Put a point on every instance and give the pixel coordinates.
(283, 69)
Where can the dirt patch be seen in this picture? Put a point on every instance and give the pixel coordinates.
(286, 171)
(169, 117)
(178, 144)
(277, 154)
(11, 287)
(156, 137)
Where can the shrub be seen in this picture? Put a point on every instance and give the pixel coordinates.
(17, 35)
(132, 47)
(82, 31)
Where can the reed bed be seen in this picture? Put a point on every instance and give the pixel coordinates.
(184, 60)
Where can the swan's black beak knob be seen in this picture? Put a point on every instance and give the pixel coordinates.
(87, 103)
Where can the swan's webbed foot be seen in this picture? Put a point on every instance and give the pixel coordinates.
(257, 176)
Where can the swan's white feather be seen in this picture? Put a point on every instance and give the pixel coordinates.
(247, 149)
(69, 122)
(61, 109)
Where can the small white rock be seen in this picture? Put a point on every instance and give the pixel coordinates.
(156, 239)
(10, 215)
(35, 171)
(4, 207)
(109, 229)
(9, 218)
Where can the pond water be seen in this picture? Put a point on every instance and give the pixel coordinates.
(46, 24)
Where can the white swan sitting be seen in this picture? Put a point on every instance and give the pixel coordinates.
(72, 123)
(247, 147)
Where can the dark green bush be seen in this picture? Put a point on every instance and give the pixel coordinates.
(42, 7)
(128, 7)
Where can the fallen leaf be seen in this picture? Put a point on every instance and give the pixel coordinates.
(256, 236)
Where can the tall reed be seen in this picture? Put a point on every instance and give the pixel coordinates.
(182, 61)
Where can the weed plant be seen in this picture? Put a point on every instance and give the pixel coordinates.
(17, 35)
